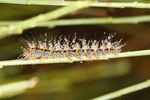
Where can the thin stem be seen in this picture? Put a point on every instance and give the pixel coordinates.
(91, 21)
(17, 28)
(10, 27)
(73, 59)
(125, 91)
(88, 21)
(12, 89)
(89, 3)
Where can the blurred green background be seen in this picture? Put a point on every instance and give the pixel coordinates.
(78, 81)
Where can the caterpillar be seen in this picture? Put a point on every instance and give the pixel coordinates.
(64, 47)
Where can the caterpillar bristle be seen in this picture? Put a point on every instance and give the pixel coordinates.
(75, 48)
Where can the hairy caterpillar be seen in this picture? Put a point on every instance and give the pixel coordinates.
(63, 47)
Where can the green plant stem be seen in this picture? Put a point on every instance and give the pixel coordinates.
(65, 22)
(17, 28)
(89, 3)
(91, 21)
(73, 59)
(12, 89)
(124, 91)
